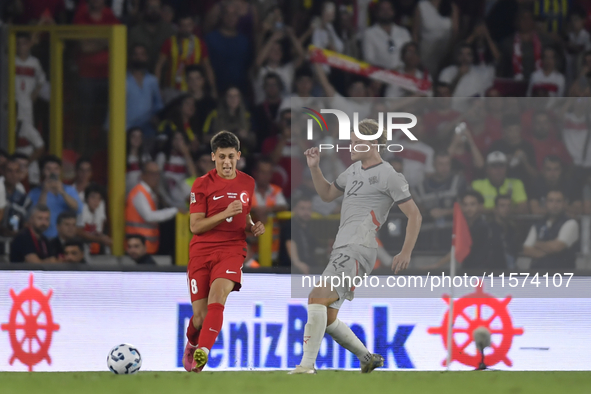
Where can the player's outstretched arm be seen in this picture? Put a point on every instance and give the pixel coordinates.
(326, 190)
(402, 259)
(200, 224)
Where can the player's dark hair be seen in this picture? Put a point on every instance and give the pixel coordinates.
(93, 188)
(472, 193)
(75, 242)
(511, 120)
(500, 197)
(224, 139)
(81, 161)
(65, 215)
(136, 236)
(49, 159)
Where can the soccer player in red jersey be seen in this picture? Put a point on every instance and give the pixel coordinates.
(220, 215)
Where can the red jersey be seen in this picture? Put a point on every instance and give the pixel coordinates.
(211, 194)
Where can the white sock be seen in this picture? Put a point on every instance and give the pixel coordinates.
(343, 335)
(313, 334)
(206, 350)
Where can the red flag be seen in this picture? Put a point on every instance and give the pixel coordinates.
(461, 237)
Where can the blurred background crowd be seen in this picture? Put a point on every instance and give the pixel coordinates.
(503, 125)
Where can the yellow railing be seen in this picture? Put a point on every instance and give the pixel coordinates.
(117, 37)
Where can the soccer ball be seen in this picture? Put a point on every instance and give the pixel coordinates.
(124, 359)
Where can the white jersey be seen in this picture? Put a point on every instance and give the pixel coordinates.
(369, 195)
(28, 76)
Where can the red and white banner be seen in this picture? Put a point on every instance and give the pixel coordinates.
(355, 66)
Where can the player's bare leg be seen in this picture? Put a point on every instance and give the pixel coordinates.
(193, 330)
(319, 299)
(214, 318)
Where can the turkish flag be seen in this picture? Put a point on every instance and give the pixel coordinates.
(461, 237)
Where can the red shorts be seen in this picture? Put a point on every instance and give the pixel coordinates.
(203, 270)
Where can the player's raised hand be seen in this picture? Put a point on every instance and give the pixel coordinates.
(400, 262)
(312, 157)
(257, 229)
(233, 209)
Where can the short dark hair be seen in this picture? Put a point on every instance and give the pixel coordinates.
(49, 159)
(194, 67)
(303, 198)
(502, 197)
(137, 45)
(303, 71)
(3, 153)
(553, 159)
(93, 188)
(181, 16)
(23, 34)
(74, 242)
(276, 77)
(224, 139)
(65, 215)
(264, 160)
(136, 236)
(41, 208)
(511, 120)
(408, 45)
(472, 193)
(82, 160)
(19, 155)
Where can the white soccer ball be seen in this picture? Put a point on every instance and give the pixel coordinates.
(124, 359)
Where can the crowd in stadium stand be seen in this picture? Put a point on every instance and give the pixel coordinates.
(198, 67)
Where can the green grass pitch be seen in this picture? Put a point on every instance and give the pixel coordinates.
(339, 382)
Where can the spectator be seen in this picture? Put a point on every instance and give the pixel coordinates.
(179, 114)
(54, 194)
(436, 26)
(483, 47)
(30, 143)
(23, 174)
(496, 182)
(230, 51)
(383, 41)
(582, 84)
(464, 151)
(466, 79)
(141, 215)
(471, 203)
(493, 130)
(176, 164)
(411, 68)
(520, 154)
(265, 114)
(324, 35)
(136, 157)
(17, 202)
(270, 60)
(73, 252)
(547, 78)
(92, 220)
(522, 52)
(436, 194)
(268, 199)
(136, 249)
(198, 89)
(552, 177)
(552, 16)
(151, 32)
(544, 140)
(182, 50)
(578, 41)
(29, 78)
(417, 156)
(93, 70)
(30, 245)
(3, 161)
(66, 231)
(231, 115)
(143, 93)
(297, 243)
(505, 247)
(302, 96)
(575, 131)
(442, 119)
(34, 11)
(550, 241)
(203, 164)
(83, 177)
(347, 32)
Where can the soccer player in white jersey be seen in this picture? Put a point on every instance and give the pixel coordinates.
(370, 187)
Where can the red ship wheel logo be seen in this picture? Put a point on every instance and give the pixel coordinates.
(470, 312)
(30, 326)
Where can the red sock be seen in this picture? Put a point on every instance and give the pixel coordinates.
(211, 325)
(192, 333)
